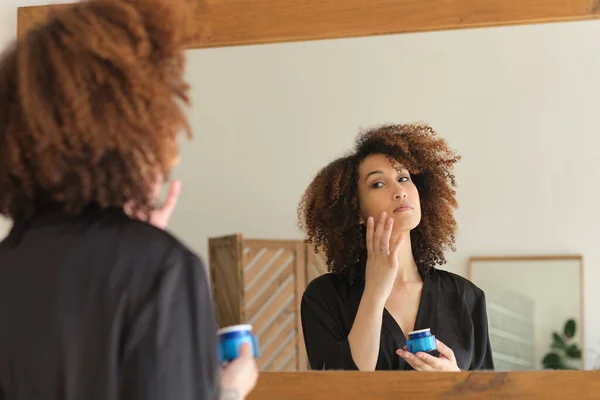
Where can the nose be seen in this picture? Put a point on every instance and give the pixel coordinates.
(399, 192)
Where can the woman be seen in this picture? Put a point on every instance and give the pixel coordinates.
(384, 216)
(96, 301)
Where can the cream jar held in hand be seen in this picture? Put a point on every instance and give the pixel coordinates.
(231, 338)
(421, 341)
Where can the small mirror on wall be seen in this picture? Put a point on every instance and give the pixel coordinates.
(535, 312)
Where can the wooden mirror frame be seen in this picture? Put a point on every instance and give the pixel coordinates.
(244, 22)
(274, 21)
(395, 385)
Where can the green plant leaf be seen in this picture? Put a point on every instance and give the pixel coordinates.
(552, 361)
(573, 351)
(569, 329)
(558, 342)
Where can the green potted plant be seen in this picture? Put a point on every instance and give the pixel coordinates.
(563, 350)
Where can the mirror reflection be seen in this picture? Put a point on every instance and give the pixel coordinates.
(517, 104)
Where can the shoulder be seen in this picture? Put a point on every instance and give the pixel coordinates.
(135, 231)
(152, 253)
(160, 264)
(320, 285)
(327, 285)
(155, 241)
(450, 282)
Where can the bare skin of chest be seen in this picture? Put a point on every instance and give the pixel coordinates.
(403, 305)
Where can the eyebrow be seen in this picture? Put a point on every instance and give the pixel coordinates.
(399, 168)
(373, 173)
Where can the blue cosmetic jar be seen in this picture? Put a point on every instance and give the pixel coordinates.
(231, 338)
(421, 341)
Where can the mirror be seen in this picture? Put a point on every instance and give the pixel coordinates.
(534, 310)
(519, 104)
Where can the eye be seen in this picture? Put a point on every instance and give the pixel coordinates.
(404, 179)
(377, 185)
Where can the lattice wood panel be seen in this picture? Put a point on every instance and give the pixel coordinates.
(271, 271)
(266, 278)
(225, 267)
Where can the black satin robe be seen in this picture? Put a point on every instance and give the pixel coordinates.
(451, 306)
(103, 307)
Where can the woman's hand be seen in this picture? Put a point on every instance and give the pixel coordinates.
(382, 259)
(239, 377)
(427, 362)
(160, 217)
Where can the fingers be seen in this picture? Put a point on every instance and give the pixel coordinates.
(434, 362)
(172, 197)
(387, 233)
(379, 232)
(379, 236)
(370, 229)
(160, 217)
(246, 350)
(426, 362)
(416, 362)
(240, 375)
(128, 208)
(395, 247)
(445, 351)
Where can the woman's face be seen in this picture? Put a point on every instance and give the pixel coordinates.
(384, 186)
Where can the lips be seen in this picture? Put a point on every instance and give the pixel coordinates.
(404, 207)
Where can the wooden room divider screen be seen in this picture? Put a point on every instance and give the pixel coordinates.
(260, 282)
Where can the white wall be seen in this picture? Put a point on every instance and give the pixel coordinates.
(8, 33)
(521, 105)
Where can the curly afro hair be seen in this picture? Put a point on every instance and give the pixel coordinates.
(90, 106)
(329, 209)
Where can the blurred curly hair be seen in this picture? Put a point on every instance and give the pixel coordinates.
(90, 106)
(329, 209)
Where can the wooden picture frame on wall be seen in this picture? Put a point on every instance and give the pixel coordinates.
(250, 22)
(576, 259)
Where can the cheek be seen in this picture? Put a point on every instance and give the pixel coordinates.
(372, 209)
(366, 212)
(418, 214)
(363, 210)
(416, 202)
(414, 197)
(365, 205)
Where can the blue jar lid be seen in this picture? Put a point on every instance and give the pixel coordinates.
(233, 331)
(419, 334)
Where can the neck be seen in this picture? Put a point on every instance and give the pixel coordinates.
(407, 268)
